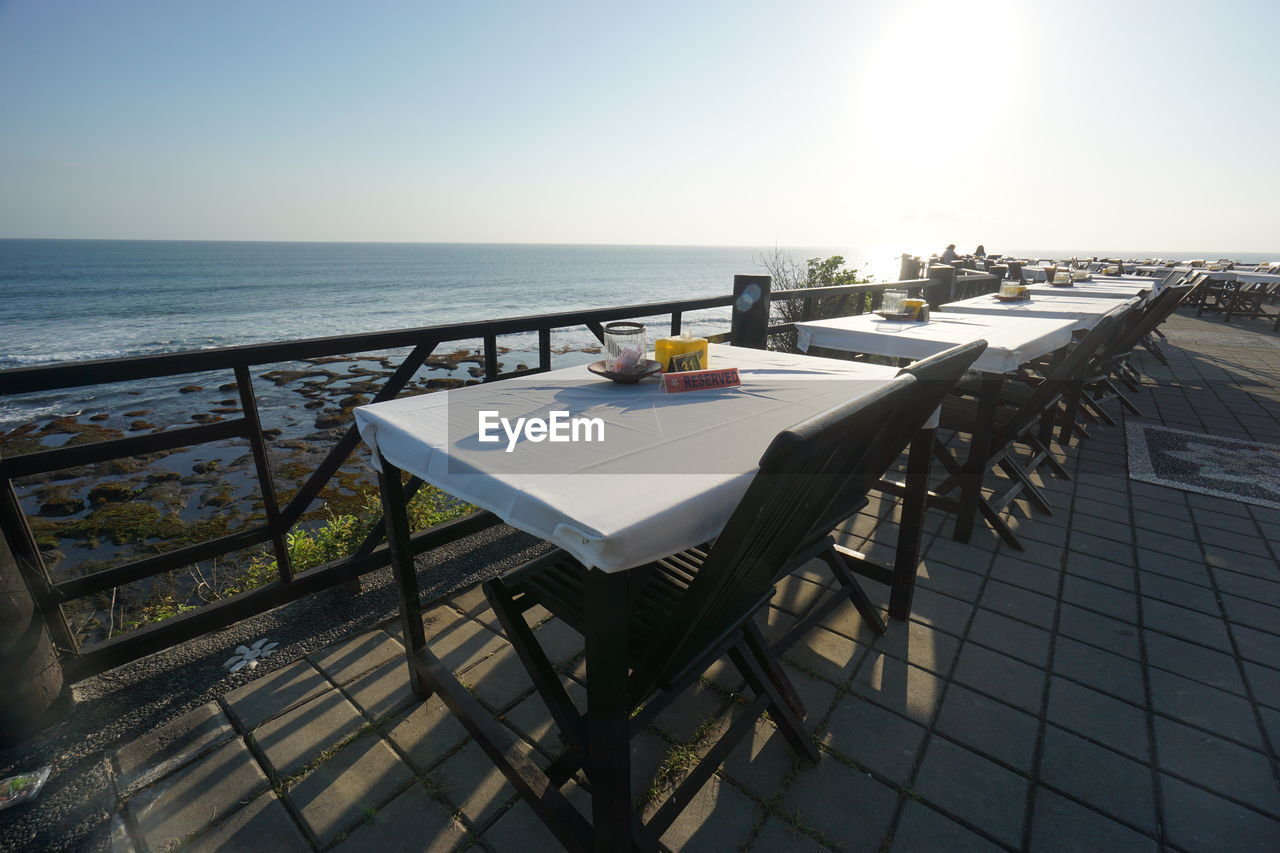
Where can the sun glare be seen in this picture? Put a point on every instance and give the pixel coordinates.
(944, 61)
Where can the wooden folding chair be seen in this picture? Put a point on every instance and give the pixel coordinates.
(683, 613)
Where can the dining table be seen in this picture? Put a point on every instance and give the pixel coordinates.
(1012, 341)
(651, 474)
(1125, 287)
(1083, 310)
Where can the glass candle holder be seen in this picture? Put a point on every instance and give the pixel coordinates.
(1010, 288)
(892, 301)
(625, 346)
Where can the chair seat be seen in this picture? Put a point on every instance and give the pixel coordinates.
(557, 580)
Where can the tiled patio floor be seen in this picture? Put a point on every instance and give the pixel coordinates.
(1115, 686)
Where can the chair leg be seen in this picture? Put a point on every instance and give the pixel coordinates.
(771, 666)
(788, 723)
(866, 609)
(1014, 470)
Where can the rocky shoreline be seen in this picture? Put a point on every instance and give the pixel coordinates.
(91, 517)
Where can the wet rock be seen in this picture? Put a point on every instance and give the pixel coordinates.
(230, 402)
(225, 410)
(444, 383)
(137, 413)
(228, 386)
(522, 366)
(205, 417)
(476, 372)
(111, 492)
(101, 416)
(190, 389)
(163, 477)
(331, 418)
(141, 425)
(59, 500)
(271, 433)
(313, 404)
(206, 467)
(352, 401)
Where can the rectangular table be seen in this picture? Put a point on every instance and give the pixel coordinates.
(1011, 342)
(1107, 288)
(667, 474)
(1083, 311)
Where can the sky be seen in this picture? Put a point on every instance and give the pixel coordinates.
(1090, 124)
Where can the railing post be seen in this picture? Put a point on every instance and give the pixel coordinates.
(942, 285)
(909, 268)
(750, 325)
(35, 694)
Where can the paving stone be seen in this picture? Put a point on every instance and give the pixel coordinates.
(920, 645)
(361, 777)
(1271, 721)
(941, 612)
(993, 728)
(345, 660)
(1193, 661)
(196, 796)
(1001, 676)
(1019, 603)
(498, 680)
(760, 761)
(1062, 826)
(293, 741)
(274, 693)
(1014, 638)
(1248, 587)
(1190, 571)
(1099, 717)
(1164, 525)
(1260, 566)
(1207, 707)
(1260, 646)
(964, 783)
(1190, 625)
(384, 690)
(264, 824)
(1197, 820)
(532, 719)
(1239, 525)
(160, 752)
(682, 719)
(427, 733)
(874, 738)
(460, 643)
(1217, 764)
(1095, 629)
(1162, 543)
(472, 783)
(520, 830)
(827, 655)
(796, 595)
(473, 603)
(776, 836)
(1106, 780)
(899, 686)
(850, 808)
(718, 817)
(1243, 611)
(411, 823)
(923, 830)
(559, 642)
(1100, 597)
(1020, 573)
(816, 695)
(1264, 682)
(1190, 595)
(1098, 569)
(940, 577)
(1107, 528)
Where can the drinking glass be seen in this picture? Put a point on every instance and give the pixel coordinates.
(1009, 288)
(624, 347)
(891, 303)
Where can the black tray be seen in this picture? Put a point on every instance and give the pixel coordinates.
(1011, 298)
(650, 367)
(897, 315)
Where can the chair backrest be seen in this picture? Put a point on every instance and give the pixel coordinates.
(801, 473)
(1155, 313)
(935, 377)
(1071, 367)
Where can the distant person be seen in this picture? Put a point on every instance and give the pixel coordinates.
(950, 254)
(980, 252)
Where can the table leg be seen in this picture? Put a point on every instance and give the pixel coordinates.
(975, 464)
(907, 556)
(396, 514)
(608, 718)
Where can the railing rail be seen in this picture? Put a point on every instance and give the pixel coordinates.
(751, 301)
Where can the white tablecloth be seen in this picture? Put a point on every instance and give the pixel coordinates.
(1010, 340)
(1083, 311)
(667, 475)
(1098, 288)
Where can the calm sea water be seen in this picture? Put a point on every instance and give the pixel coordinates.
(68, 300)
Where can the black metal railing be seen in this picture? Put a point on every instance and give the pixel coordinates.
(751, 300)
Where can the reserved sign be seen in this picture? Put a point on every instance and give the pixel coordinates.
(698, 380)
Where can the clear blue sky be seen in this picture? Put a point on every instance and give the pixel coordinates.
(910, 124)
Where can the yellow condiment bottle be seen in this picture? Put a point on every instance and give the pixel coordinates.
(681, 352)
